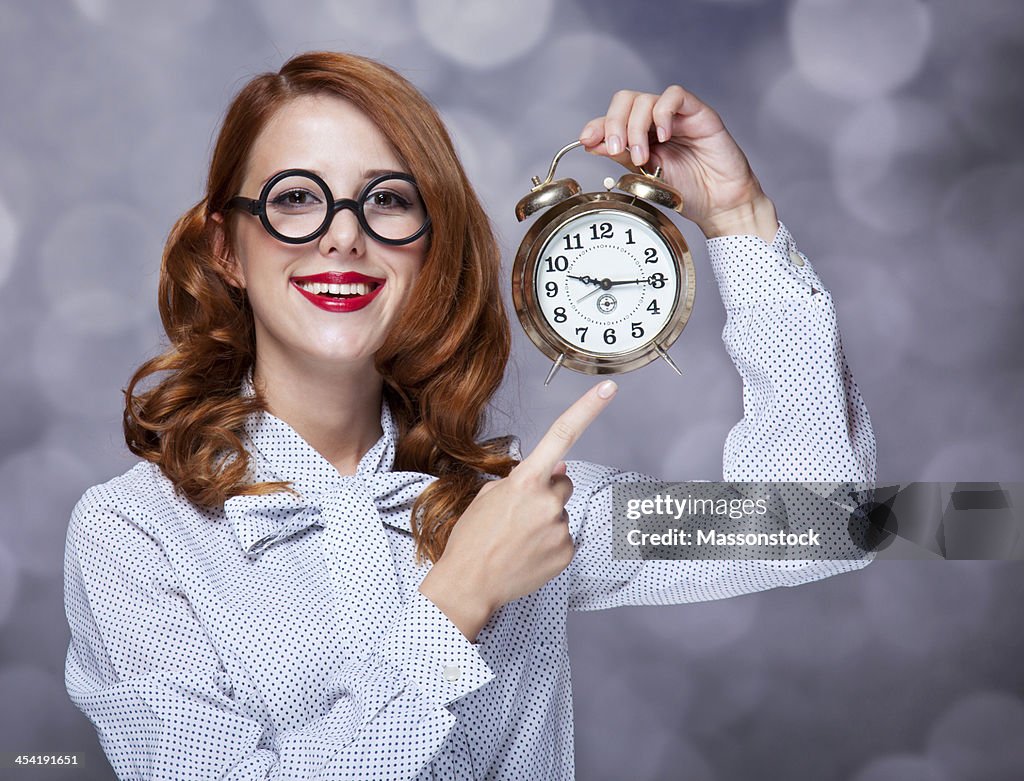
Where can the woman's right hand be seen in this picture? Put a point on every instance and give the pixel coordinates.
(514, 536)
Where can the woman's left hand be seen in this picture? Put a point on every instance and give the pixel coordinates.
(697, 155)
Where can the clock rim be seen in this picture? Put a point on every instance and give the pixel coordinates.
(524, 297)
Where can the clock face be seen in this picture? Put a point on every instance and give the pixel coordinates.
(606, 282)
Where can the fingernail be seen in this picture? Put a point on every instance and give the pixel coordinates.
(607, 389)
(614, 145)
(662, 134)
(637, 154)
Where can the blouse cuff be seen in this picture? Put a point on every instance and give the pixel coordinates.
(750, 271)
(433, 654)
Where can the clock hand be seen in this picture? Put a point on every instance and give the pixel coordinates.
(585, 279)
(604, 285)
(626, 282)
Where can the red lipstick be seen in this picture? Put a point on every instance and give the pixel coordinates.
(334, 302)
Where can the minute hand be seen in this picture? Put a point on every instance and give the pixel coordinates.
(627, 281)
(607, 283)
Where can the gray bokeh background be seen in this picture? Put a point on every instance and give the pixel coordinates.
(888, 134)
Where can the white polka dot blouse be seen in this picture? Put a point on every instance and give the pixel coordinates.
(284, 637)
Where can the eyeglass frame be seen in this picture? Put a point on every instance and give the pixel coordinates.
(258, 207)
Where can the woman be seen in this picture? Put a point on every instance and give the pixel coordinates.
(318, 571)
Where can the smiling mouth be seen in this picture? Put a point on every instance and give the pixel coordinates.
(338, 290)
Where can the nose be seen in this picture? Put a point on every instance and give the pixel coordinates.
(344, 236)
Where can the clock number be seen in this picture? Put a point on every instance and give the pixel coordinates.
(551, 288)
(560, 316)
(650, 255)
(561, 263)
(658, 280)
(653, 307)
(638, 330)
(582, 334)
(629, 233)
(606, 231)
(609, 336)
(574, 244)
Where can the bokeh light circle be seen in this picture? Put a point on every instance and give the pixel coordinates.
(103, 253)
(158, 18)
(40, 487)
(891, 162)
(802, 108)
(378, 23)
(483, 35)
(858, 49)
(82, 373)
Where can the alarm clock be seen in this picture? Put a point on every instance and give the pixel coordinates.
(602, 282)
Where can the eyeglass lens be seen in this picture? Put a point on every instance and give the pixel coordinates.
(297, 206)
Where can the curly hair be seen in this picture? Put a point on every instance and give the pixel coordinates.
(441, 363)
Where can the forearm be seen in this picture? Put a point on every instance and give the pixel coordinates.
(803, 415)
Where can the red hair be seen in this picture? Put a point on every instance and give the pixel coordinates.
(441, 363)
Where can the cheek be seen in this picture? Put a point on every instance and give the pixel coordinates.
(259, 259)
(409, 266)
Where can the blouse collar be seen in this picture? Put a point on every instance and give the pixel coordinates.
(282, 454)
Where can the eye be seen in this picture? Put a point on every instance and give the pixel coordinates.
(387, 200)
(296, 199)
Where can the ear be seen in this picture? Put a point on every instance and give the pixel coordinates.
(223, 254)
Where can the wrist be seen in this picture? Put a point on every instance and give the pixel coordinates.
(466, 606)
(756, 217)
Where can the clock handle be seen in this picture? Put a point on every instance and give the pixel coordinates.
(554, 163)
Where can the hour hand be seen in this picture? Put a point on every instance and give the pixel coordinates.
(585, 279)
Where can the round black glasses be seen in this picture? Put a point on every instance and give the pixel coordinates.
(296, 206)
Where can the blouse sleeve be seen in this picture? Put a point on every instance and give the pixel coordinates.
(803, 420)
(142, 668)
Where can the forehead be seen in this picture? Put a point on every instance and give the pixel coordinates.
(322, 133)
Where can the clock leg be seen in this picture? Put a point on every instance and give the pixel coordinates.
(555, 367)
(668, 360)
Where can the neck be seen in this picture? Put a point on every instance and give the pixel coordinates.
(337, 413)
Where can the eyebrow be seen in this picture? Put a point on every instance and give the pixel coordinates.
(366, 176)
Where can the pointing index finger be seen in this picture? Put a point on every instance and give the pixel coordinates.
(564, 432)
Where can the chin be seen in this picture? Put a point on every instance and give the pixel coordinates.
(349, 358)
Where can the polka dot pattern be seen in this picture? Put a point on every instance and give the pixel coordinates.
(284, 637)
(803, 415)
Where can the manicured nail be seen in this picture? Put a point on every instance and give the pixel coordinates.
(614, 145)
(637, 154)
(607, 389)
(662, 134)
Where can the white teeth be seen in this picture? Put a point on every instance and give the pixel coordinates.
(319, 288)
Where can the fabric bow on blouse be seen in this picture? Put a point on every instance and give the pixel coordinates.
(362, 500)
(349, 516)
